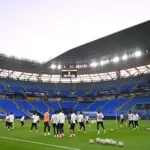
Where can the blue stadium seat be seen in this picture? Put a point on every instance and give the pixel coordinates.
(112, 105)
(54, 105)
(68, 104)
(40, 106)
(82, 105)
(134, 101)
(24, 104)
(97, 104)
(9, 107)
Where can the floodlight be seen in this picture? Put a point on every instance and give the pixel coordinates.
(116, 59)
(138, 53)
(93, 64)
(107, 61)
(59, 66)
(53, 66)
(125, 57)
(102, 63)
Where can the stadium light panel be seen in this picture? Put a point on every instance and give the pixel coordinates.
(107, 61)
(125, 57)
(102, 63)
(94, 64)
(138, 53)
(59, 66)
(115, 59)
(53, 66)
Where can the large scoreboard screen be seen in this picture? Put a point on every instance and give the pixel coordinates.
(69, 73)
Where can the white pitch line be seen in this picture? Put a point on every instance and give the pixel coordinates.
(38, 143)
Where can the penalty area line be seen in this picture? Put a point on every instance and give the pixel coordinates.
(38, 143)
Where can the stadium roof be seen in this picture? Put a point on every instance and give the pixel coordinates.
(136, 37)
(117, 44)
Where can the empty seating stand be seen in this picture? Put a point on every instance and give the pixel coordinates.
(134, 101)
(112, 105)
(54, 105)
(82, 105)
(9, 107)
(67, 104)
(40, 106)
(24, 104)
(97, 104)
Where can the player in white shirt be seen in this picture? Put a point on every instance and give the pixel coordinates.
(121, 119)
(81, 122)
(72, 124)
(77, 120)
(135, 119)
(7, 121)
(100, 118)
(87, 120)
(34, 122)
(11, 120)
(61, 122)
(55, 120)
(22, 121)
(38, 119)
(130, 118)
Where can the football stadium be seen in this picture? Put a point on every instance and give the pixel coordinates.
(101, 87)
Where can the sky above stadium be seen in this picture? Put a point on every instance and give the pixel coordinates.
(43, 29)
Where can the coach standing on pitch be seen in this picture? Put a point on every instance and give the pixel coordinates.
(46, 123)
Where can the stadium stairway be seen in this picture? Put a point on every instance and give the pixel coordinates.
(96, 105)
(82, 105)
(21, 108)
(75, 105)
(33, 107)
(40, 106)
(119, 87)
(16, 104)
(140, 81)
(89, 106)
(2, 110)
(24, 104)
(59, 105)
(84, 108)
(128, 101)
(41, 114)
(112, 105)
(134, 101)
(54, 105)
(9, 106)
(27, 112)
(104, 105)
(20, 83)
(47, 105)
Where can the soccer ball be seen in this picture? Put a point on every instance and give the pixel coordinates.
(114, 143)
(111, 130)
(120, 144)
(91, 141)
(101, 141)
(98, 140)
(104, 141)
(107, 141)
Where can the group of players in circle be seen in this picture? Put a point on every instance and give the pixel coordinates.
(58, 121)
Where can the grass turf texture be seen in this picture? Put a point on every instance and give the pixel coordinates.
(133, 140)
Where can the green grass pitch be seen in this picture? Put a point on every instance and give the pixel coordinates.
(133, 140)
